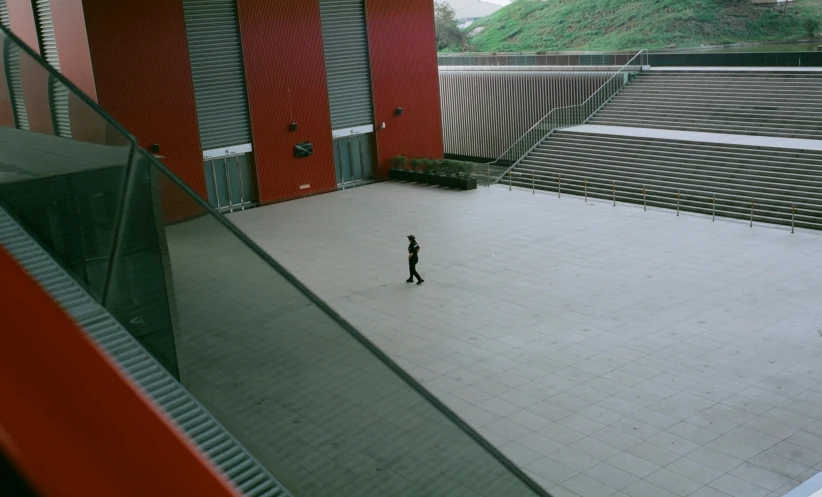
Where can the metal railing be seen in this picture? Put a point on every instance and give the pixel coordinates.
(572, 115)
(733, 204)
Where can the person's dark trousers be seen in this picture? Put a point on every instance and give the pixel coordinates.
(412, 267)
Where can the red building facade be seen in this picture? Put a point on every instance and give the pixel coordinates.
(133, 57)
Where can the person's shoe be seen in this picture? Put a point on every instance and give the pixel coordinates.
(409, 280)
(420, 282)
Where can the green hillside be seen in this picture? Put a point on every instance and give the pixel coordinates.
(544, 25)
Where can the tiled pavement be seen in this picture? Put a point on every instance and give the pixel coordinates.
(608, 351)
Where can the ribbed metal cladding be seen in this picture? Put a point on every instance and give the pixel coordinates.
(219, 75)
(11, 59)
(58, 93)
(246, 473)
(485, 111)
(345, 43)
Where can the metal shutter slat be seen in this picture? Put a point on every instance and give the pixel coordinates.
(218, 72)
(58, 92)
(4, 15)
(11, 57)
(345, 44)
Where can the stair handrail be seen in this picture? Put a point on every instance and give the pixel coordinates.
(607, 83)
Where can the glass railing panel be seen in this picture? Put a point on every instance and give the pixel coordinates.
(313, 400)
(62, 166)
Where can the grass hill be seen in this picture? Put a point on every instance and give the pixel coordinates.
(544, 25)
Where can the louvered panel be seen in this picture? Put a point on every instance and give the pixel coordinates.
(218, 72)
(345, 44)
(58, 93)
(11, 58)
(4, 15)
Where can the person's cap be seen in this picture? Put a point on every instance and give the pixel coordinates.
(411, 237)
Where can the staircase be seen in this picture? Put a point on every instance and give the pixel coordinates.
(777, 104)
(614, 165)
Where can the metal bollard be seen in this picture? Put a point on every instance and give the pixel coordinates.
(510, 174)
(752, 210)
(644, 199)
(793, 217)
(614, 193)
(713, 211)
(677, 203)
(533, 183)
(559, 186)
(585, 180)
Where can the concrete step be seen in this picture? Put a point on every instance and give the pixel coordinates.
(752, 112)
(777, 179)
(781, 164)
(736, 130)
(716, 115)
(665, 159)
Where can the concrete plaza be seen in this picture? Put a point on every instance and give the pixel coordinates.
(606, 350)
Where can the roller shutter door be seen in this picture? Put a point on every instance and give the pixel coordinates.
(217, 67)
(346, 60)
(58, 92)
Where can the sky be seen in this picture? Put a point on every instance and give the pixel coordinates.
(476, 8)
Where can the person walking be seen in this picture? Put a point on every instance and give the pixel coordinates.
(413, 258)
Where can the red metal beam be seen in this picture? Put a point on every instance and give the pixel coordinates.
(71, 422)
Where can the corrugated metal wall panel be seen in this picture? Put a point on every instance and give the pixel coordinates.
(218, 72)
(345, 43)
(58, 93)
(485, 112)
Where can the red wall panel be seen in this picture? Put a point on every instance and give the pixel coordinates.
(285, 76)
(404, 73)
(139, 52)
(34, 77)
(77, 426)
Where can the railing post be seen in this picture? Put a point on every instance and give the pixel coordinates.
(559, 186)
(752, 210)
(793, 217)
(533, 183)
(614, 193)
(713, 211)
(510, 174)
(644, 199)
(487, 179)
(585, 180)
(677, 203)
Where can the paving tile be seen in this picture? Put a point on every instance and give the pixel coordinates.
(673, 482)
(519, 454)
(632, 464)
(561, 433)
(694, 470)
(692, 432)
(760, 476)
(733, 447)
(507, 429)
(595, 448)
(611, 476)
(528, 419)
(779, 465)
(673, 443)
(581, 424)
(585, 485)
(498, 407)
(653, 453)
(615, 438)
(797, 453)
(714, 459)
(643, 488)
(735, 487)
(540, 444)
(552, 470)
